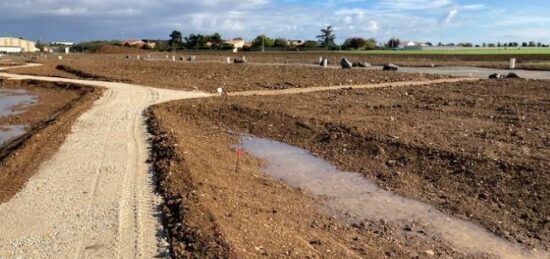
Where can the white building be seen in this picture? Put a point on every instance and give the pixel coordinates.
(16, 45)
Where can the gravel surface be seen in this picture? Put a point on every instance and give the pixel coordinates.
(94, 198)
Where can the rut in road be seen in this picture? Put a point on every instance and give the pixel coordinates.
(95, 198)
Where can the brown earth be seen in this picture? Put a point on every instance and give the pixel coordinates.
(49, 120)
(212, 211)
(530, 62)
(478, 151)
(209, 76)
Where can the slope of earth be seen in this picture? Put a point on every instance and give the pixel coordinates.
(214, 210)
(210, 76)
(47, 122)
(478, 151)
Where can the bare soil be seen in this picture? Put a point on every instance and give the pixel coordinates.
(478, 151)
(212, 211)
(208, 76)
(48, 121)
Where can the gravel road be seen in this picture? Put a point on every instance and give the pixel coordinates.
(94, 198)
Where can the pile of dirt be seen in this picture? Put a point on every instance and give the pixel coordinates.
(49, 120)
(477, 151)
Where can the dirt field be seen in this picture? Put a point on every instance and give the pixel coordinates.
(530, 62)
(476, 151)
(48, 121)
(208, 76)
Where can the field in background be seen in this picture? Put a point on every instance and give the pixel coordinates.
(464, 51)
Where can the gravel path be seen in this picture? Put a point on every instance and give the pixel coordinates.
(94, 198)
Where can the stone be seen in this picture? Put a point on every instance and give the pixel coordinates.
(512, 75)
(429, 252)
(390, 67)
(346, 64)
(361, 64)
(496, 76)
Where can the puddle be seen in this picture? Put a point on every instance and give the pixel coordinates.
(351, 194)
(12, 100)
(8, 133)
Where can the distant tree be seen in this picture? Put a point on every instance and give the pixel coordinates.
(484, 44)
(499, 45)
(354, 43)
(216, 40)
(280, 42)
(440, 44)
(262, 40)
(524, 44)
(370, 44)
(327, 37)
(539, 44)
(491, 45)
(311, 44)
(532, 44)
(429, 44)
(176, 39)
(40, 45)
(393, 43)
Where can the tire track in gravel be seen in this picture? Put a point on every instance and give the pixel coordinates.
(95, 197)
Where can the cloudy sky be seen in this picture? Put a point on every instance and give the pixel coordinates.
(430, 20)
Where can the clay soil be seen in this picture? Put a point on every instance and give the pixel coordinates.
(47, 121)
(478, 151)
(208, 76)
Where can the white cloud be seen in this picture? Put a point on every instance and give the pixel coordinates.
(450, 16)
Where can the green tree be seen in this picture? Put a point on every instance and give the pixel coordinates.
(216, 40)
(280, 42)
(262, 40)
(370, 44)
(327, 37)
(393, 43)
(311, 44)
(176, 39)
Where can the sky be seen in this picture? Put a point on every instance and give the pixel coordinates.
(421, 20)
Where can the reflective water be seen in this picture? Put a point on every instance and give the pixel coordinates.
(12, 100)
(10, 132)
(347, 193)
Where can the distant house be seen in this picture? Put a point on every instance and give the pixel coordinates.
(133, 43)
(409, 44)
(59, 47)
(151, 43)
(16, 45)
(236, 44)
(296, 43)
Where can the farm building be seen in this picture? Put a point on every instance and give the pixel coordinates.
(16, 45)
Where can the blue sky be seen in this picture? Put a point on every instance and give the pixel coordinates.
(426, 20)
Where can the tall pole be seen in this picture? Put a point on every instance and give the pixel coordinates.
(263, 43)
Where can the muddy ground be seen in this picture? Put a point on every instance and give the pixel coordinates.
(48, 121)
(478, 151)
(213, 211)
(208, 76)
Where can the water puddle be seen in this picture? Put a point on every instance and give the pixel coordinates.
(12, 100)
(8, 133)
(351, 194)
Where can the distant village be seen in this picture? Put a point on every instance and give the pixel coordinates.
(176, 42)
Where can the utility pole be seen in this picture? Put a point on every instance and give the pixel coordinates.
(263, 43)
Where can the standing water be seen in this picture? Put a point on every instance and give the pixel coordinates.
(11, 102)
(347, 193)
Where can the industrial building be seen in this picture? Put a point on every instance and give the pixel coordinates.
(16, 45)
